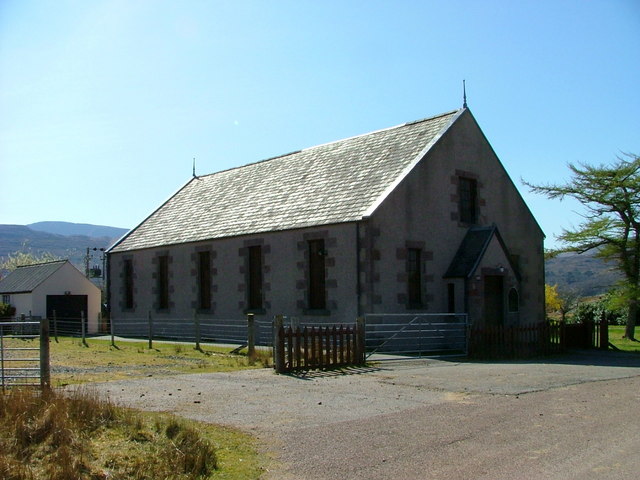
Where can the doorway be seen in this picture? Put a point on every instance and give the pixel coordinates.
(494, 300)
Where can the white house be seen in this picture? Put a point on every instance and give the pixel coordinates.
(57, 286)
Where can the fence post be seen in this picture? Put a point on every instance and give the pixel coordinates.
(196, 321)
(251, 336)
(112, 331)
(360, 341)
(604, 332)
(55, 326)
(45, 370)
(83, 329)
(150, 329)
(278, 344)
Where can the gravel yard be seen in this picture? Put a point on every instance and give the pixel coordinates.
(569, 417)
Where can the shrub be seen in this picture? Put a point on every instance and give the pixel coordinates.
(595, 311)
(6, 310)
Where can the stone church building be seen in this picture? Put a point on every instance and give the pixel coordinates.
(420, 217)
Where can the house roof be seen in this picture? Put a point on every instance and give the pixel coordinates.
(342, 181)
(25, 279)
(472, 249)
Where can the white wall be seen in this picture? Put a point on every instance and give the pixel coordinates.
(69, 279)
(23, 303)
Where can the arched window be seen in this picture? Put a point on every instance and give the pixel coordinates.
(514, 300)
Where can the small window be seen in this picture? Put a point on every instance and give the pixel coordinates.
(128, 284)
(163, 282)
(6, 299)
(414, 275)
(317, 271)
(254, 290)
(204, 280)
(514, 301)
(468, 197)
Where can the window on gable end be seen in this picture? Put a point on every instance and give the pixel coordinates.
(468, 200)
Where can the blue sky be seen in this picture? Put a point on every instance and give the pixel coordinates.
(104, 104)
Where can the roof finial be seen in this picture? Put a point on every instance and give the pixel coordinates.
(464, 94)
(194, 167)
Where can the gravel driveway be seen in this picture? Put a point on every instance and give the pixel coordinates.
(570, 417)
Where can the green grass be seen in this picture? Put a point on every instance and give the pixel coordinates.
(81, 436)
(72, 362)
(616, 332)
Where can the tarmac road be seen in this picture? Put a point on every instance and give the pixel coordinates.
(572, 417)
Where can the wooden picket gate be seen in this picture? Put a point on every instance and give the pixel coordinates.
(318, 347)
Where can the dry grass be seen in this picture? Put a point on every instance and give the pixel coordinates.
(80, 436)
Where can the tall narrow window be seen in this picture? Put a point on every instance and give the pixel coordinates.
(204, 280)
(254, 290)
(514, 300)
(451, 297)
(163, 282)
(128, 284)
(414, 279)
(468, 193)
(317, 270)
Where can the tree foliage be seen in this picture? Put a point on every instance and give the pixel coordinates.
(552, 299)
(559, 300)
(610, 195)
(23, 257)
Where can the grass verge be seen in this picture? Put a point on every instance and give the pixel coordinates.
(72, 362)
(616, 332)
(80, 436)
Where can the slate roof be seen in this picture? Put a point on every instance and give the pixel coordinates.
(472, 249)
(338, 182)
(25, 279)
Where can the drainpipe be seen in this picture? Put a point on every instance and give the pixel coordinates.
(358, 286)
(107, 284)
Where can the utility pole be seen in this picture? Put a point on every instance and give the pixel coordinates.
(87, 258)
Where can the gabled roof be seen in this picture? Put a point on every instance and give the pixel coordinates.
(470, 252)
(25, 279)
(342, 181)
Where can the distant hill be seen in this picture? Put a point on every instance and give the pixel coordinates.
(584, 273)
(15, 238)
(68, 229)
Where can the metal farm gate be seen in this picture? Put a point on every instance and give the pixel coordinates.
(24, 353)
(423, 334)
